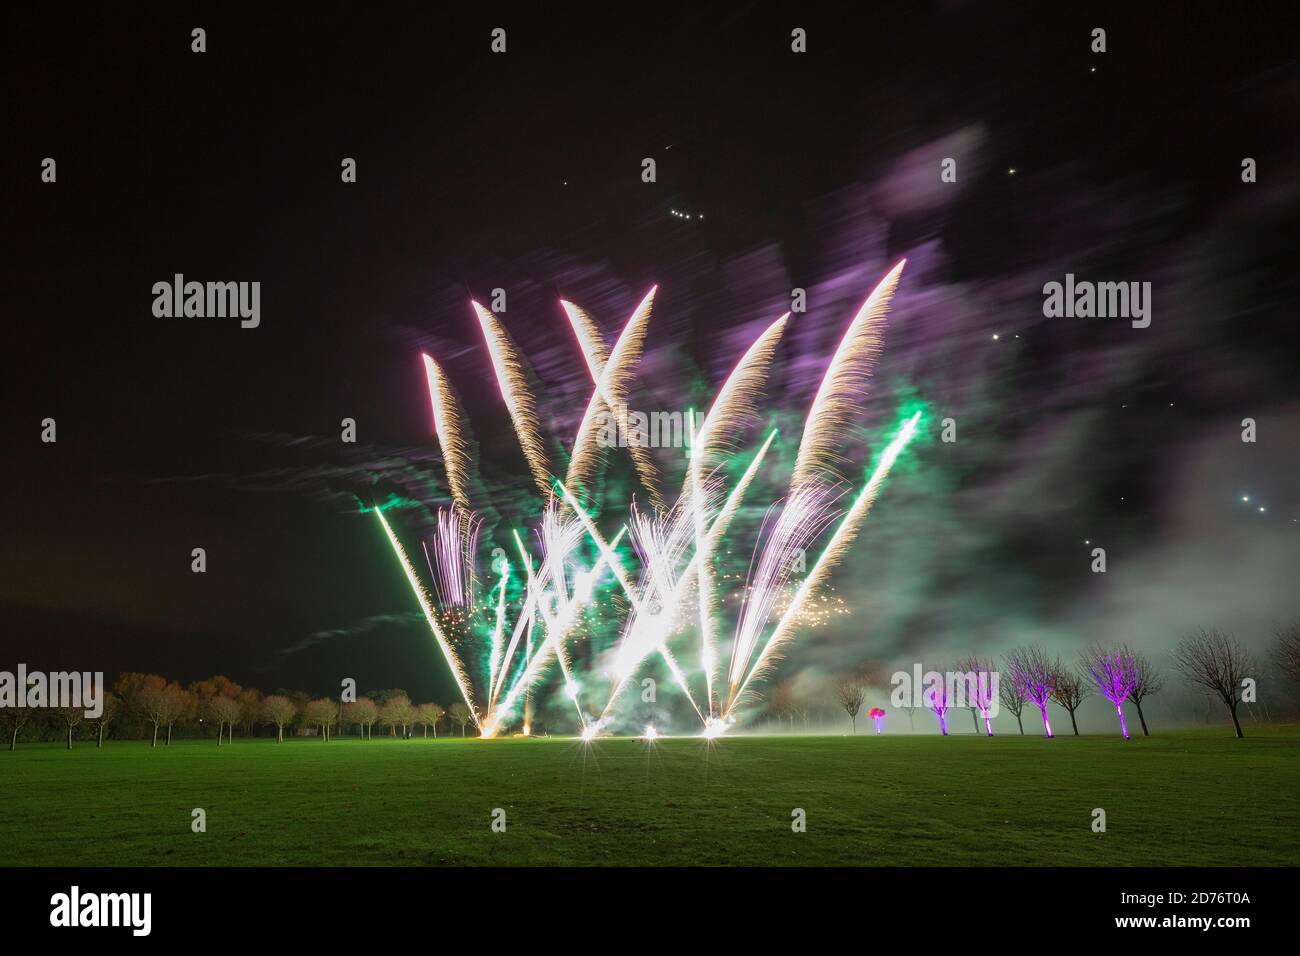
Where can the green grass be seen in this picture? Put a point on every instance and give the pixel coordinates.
(1178, 798)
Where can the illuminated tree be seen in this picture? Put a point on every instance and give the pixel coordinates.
(1014, 701)
(180, 705)
(1218, 663)
(459, 714)
(70, 717)
(1071, 691)
(1147, 680)
(851, 691)
(14, 719)
(428, 716)
(1033, 673)
(250, 708)
(399, 712)
(112, 707)
(223, 711)
(363, 712)
(936, 698)
(280, 711)
(979, 693)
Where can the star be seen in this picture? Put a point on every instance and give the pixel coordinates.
(1011, 171)
(995, 336)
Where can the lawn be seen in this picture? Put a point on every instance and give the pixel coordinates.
(1179, 798)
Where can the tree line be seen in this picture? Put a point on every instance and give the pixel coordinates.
(152, 707)
(1209, 660)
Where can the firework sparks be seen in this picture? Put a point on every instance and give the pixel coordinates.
(446, 425)
(843, 386)
(669, 585)
(509, 369)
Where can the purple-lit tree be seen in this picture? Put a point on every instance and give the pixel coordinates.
(978, 681)
(936, 698)
(1147, 680)
(1115, 674)
(1071, 692)
(1033, 674)
(1013, 701)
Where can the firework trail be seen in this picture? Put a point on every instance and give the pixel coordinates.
(835, 549)
(453, 661)
(843, 386)
(731, 411)
(497, 652)
(509, 369)
(446, 425)
(612, 375)
(801, 519)
(660, 549)
(451, 565)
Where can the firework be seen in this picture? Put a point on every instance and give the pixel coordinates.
(600, 620)
(446, 425)
(509, 369)
(844, 385)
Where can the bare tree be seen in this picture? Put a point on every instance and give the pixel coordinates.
(250, 708)
(978, 684)
(783, 702)
(14, 719)
(1218, 663)
(70, 717)
(155, 705)
(112, 707)
(459, 714)
(1286, 651)
(851, 691)
(1071, 691)
(1034, 674)
(279, 711)
(1147, 680)
(1013, 700)
(178, 704)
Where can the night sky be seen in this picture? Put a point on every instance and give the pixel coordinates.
(522, 171)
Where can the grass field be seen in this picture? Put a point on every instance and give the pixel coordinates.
(1186, 798)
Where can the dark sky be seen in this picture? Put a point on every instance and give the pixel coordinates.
(817, 170)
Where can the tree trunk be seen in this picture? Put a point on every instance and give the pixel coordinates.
(1074, 724)
(101, 735)
(975, 719)
(854, 718)
(69, 736)
(13, 741)
(155, 736)
(169, 735)
(221, 729)
(1021, 723)
(1145, 732)
(1235, 722)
